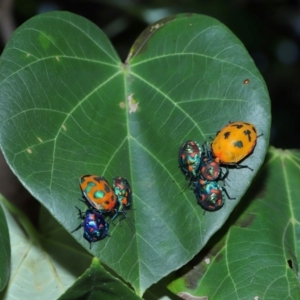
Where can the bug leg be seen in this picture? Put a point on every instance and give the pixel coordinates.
(230, 198)
(80, 225)
(86, 203)
(243, 166)
(223, 177)
(81, 216)
(80, 213)
(226, 173)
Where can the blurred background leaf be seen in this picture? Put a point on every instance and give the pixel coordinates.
(96, 283)
(42, 265)
(4, 251)
(255, 255)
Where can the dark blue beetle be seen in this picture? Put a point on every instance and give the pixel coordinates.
(94, 225)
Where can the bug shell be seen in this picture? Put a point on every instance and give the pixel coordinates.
(97, 191)
(209, 195)
(95, 226)
(122, 190)
(190, 154)
(234, 142)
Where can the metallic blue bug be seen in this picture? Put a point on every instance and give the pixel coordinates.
(94, 225)
(190, 154)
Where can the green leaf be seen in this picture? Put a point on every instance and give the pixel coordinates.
(4, 251)
(258, 256)
(42, 264)
(96, 283)
(70, 107)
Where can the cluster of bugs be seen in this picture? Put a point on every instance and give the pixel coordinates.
(105, 204)
(205, 166)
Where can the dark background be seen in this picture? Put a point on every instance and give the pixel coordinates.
(269, 29)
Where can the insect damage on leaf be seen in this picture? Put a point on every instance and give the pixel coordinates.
(133, 104)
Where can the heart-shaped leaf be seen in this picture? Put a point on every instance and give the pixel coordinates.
(70, 107)
(258, 256)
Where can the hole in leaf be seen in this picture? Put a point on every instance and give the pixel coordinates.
(290, 263)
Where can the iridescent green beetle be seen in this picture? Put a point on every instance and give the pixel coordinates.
(190, 156)
(123, 192)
